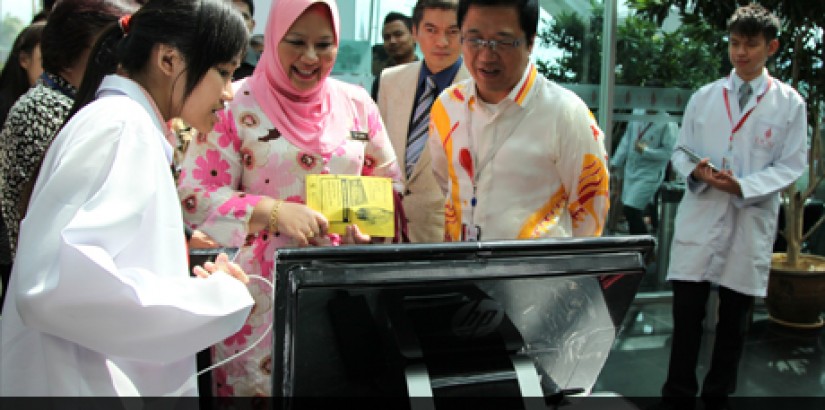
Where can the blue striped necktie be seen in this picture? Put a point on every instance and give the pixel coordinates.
(419, 128)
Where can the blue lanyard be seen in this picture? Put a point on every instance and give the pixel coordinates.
(53, 85)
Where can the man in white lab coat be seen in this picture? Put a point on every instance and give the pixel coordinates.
(726, 223)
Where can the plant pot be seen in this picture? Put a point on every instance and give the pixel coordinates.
(796, 295)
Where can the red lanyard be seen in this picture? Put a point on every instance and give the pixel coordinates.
(747, 114)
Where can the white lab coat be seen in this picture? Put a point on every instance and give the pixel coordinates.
(644, 171)
(101, 302)
(719, 237)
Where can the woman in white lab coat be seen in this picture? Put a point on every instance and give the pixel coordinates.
(101, 302)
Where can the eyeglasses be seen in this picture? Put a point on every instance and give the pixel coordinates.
(477, 44)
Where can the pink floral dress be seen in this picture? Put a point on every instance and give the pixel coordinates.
(224, 174)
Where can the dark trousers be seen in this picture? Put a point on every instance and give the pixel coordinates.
(689, 301)
(635, 220)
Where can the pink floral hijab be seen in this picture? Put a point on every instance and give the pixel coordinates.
(315, 120)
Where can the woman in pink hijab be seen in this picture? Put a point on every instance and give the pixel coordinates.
(244, 183)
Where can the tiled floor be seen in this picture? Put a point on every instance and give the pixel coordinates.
(777, 362)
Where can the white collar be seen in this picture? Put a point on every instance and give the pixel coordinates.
(118, 85)
(519, 95)
(758, 84)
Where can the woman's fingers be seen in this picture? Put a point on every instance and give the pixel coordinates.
(353, 235)
(237, 272)
(232, 268)
(301, 223)
(222, 258)
(323, 224)
(200, 272)
(221, 263)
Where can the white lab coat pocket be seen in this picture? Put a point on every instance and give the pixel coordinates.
(760, 220)
(767, 135)
(756, 232)
(765, 141)
(688, 261)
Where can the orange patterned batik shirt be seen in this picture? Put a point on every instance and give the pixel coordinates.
(531, 166)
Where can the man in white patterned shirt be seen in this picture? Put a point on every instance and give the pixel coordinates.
(517, 156)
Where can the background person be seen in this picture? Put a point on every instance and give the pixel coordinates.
(35, 118)
(257, 43)
(103, 304)
(43, 14)
(250, 59)
(517, 156)
(405, 101)
(753, 128)
(399, 44)
(21, 70)
(245, 183)
(641, 158)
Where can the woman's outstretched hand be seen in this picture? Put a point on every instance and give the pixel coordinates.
(222, 263)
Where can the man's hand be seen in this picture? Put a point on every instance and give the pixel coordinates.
(721, 180)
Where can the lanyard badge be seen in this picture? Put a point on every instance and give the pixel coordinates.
(727, 160)
(470, 233)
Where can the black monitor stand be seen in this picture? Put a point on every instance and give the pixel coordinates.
(458, 342)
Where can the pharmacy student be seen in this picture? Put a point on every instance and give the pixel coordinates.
(753, 129)
(101, 300)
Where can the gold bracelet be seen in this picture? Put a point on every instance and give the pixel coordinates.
(273, 217)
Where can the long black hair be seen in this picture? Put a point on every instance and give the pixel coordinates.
(206, 32)
(73, 25)
(14, 80)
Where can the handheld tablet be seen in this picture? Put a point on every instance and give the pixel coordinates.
(694, 157)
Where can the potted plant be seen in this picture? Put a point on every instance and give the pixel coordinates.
(796, 287)
(796, 290)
